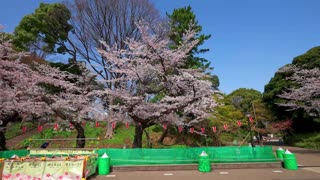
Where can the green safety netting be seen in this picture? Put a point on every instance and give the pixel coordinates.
(9, 154)
(188, 155)
(144, 156)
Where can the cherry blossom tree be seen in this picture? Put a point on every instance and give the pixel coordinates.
(154, 87)
(27, 91)
(306, 94)
(112, 21)
(75, 106)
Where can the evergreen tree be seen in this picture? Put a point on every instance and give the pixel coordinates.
(181, 20)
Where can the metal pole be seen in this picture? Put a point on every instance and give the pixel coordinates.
(255, 117)
(251, 139)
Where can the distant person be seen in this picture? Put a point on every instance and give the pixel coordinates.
(258, 140)
(44, 145)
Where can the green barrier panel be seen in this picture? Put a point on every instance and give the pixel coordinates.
(188, 155)
(9, 154)
(290, 161)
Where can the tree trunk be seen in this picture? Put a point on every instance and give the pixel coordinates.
(3, 140)
(81, 141)
(184, 135)
(137, 142)
(149, 143)
(216, 139)
(109, 132)
(6, 117)
(164, 134)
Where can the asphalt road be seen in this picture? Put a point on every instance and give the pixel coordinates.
(231, 174)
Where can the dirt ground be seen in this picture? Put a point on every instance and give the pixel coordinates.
(12, 142)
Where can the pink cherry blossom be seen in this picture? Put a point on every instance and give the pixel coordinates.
(148, 68)
(306, 94)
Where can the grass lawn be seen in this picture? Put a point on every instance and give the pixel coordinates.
(123, 137)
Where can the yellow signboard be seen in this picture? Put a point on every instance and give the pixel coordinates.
(61, 152)
(44, 170)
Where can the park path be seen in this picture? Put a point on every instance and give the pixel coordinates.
(308, 159)
(305, 157)
(216, 174)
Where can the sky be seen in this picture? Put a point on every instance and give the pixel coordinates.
(251, 39)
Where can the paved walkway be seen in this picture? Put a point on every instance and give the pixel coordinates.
(305, 157)
(308, 160)
(231, 174)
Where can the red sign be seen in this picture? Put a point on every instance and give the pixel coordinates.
(214, 129)
(114, 124)
(191, 130)
(225, 126)
(56, 127)
(24, 129)
(40, 128)
(202, 130)
(251, 119)
(165, 126)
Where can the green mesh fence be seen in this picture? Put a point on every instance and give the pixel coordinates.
(9, 154)
(188, 155)
(229, 154)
